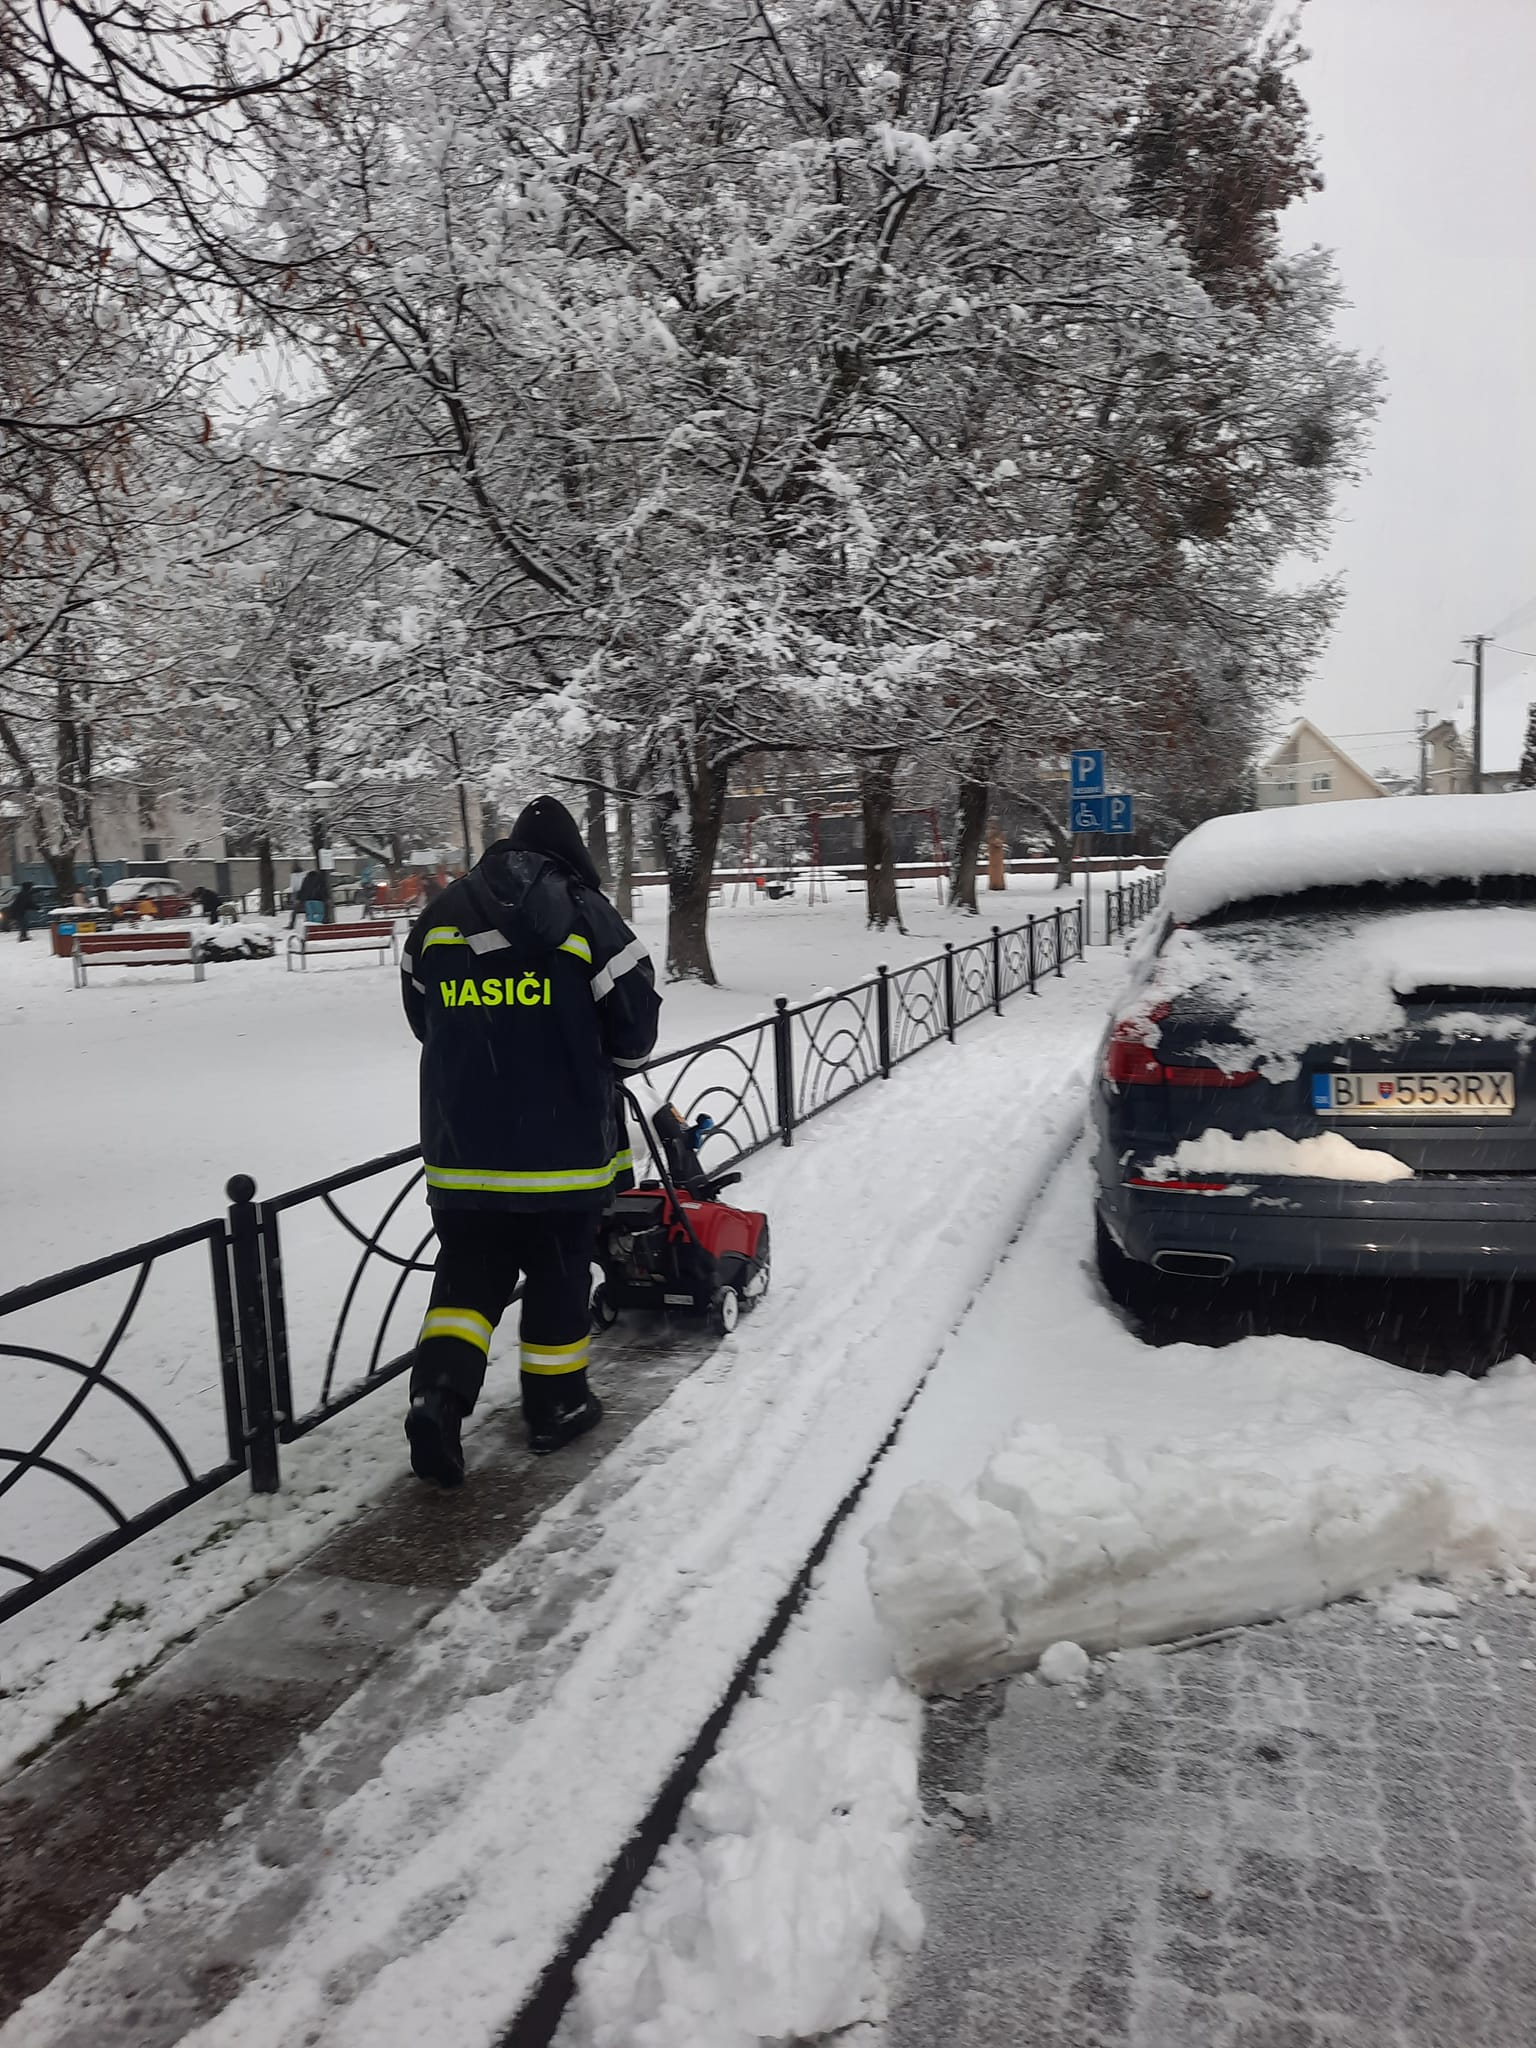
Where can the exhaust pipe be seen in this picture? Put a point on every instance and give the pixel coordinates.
(1194, 1265)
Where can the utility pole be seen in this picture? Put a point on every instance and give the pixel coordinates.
(1424, 718)
(1476, 644)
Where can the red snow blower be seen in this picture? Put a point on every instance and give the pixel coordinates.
(671, 1243)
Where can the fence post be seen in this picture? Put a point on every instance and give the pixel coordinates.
(783, 1069)
(883, 1020)
(1082, 938)
(997, 969)
(1030, 956)
(949, 991)
(251, 1325)
(1060, 942)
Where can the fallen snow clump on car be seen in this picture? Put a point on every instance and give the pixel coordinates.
(1277, 853)
(1329, 1157)
(1092, 1539)
(766, 1914)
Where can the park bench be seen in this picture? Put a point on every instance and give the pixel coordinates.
(375, 936)
(136, 949)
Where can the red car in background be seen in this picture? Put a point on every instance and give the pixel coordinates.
(148, 896)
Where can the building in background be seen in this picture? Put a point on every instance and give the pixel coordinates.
(1309, 768)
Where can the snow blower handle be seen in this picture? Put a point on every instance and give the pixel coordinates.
(674, 1146)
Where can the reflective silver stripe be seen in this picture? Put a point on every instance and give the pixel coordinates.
(419, 986)
(551, 1360)
(405, 963)
(487, 942)
(630, 1066)
(621, 963)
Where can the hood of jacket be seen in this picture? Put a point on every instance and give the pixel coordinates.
(546, 826)
(527, 896)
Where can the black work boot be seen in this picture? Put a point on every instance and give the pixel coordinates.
(432, 1429)
(557, 1414)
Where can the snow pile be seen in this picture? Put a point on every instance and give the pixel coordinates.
(1277, 853)
(1490, 946)
(1065, 1664)
(1106, 1543)
(1329, 1157)
(767, 1914)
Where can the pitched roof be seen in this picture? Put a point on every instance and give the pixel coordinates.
(1331, 747)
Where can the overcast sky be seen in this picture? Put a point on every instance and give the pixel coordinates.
(1424, 111)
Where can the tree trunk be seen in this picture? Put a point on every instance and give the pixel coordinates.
(689, 831)
(876, 777)
(266, 875)
(624, 881)
(1062, 842)
(597, 818)
(970, 830)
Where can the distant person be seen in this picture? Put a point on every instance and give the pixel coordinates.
(367, 890)
(311, 900)
(209, 900)
(23, 903)
(295, 897)
(530, 995)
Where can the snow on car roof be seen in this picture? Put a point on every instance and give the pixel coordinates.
(1318, 846)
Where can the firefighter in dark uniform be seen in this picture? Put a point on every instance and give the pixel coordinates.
(530, 996)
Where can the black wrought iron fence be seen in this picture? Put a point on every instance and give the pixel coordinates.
(1127, 904)
(316, 1293)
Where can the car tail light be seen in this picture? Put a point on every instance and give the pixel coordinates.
(1130, 1062)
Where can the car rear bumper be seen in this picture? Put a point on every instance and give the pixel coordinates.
(1445, 1229)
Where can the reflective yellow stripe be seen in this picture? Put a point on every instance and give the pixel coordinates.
(444, 935)
(463, 1323)
(623, 1162)
(481, 1180)
(577, 944)
(553, 1359)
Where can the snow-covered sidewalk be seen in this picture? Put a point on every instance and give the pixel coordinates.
(569, 1679)
(1130, 1494)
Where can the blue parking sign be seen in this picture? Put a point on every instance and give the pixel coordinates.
(1087, 772)
(1120, 814)
(1088, 813)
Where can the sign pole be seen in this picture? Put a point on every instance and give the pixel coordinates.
(1087, 889)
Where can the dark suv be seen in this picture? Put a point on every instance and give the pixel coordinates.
(1339, 1079)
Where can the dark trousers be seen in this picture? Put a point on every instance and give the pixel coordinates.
(482, 1254)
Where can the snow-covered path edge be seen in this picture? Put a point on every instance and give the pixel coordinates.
(453, 1872)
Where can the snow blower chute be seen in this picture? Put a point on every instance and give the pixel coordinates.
(671, 1243)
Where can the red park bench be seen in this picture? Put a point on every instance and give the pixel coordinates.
(168, 948)
(377, 936)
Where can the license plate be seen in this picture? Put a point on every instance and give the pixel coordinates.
(1387, 1095)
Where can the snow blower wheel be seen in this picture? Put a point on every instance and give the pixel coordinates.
(725, 1312)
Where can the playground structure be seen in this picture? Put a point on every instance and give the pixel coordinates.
(778, 877)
